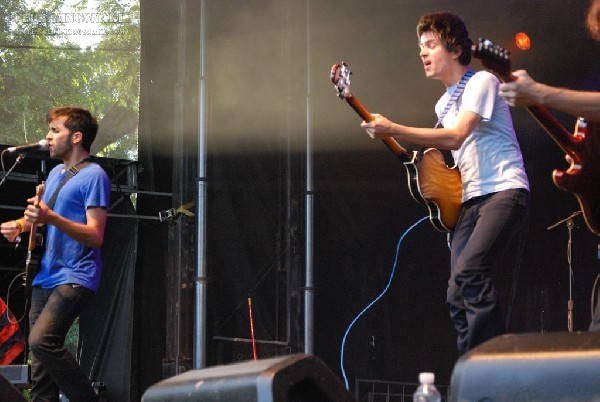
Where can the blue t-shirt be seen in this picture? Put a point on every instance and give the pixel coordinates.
(65, 260)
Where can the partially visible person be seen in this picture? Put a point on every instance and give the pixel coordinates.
(71, 263)
(524, 91)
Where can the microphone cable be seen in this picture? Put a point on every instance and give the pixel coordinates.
(376, 299)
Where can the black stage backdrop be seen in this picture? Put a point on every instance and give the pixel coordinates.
(106, 328)
(267, 90)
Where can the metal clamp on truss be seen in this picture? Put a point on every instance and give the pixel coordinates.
(173, 213)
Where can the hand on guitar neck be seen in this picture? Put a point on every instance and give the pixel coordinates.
(340, 76)
(35, 241)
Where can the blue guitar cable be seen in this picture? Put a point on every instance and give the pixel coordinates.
(376, 299)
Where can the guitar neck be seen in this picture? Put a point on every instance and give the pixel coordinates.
(31, 245)
(391, 143)
(565, 140)
(32, 238)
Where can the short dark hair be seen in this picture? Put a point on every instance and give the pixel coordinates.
(78, 119)
(451, 30)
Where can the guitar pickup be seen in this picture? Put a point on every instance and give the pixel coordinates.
(39, 240)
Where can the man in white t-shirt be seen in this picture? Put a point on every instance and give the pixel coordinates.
(478, 129)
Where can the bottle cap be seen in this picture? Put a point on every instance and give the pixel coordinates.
(426, 378)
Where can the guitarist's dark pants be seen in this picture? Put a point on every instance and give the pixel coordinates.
(485, 226)
(52, 366)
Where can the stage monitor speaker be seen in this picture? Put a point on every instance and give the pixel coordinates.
(295, 378)
(559, 366)
(17, 374)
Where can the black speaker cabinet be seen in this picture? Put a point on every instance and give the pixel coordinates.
(294, 378)
(559, 366)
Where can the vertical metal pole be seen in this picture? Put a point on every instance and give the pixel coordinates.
(174, 296)
(308, 286)
(201, 271)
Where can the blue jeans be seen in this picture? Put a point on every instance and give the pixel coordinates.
(485, 226)
(53, 368)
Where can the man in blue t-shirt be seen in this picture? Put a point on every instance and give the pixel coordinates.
(74, 209)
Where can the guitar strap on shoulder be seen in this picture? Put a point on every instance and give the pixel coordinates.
(72, 172)
(455, 95)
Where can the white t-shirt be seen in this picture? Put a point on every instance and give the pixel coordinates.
(490, 159)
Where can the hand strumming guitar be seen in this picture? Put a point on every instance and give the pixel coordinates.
(38, 214)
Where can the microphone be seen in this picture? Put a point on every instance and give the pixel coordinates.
(42, 144)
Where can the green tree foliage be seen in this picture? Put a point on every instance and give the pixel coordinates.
(42, 67)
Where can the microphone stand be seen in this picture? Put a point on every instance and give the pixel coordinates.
(570, 225)
(20, 157)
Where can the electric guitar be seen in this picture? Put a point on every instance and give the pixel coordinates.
(582, 178)
(32, 262)
(430, 180)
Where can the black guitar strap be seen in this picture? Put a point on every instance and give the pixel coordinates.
(72, 172)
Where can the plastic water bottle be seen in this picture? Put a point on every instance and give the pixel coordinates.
(427, 392)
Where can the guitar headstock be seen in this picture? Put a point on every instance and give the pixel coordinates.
(493, 57)
(340, 76)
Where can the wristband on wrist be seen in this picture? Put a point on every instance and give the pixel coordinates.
(20, 225)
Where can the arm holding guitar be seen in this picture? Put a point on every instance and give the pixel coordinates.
(521, 90)
(525, 91)
(444, 138)
(90, 233)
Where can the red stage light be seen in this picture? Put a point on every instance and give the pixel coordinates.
(522, 40)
